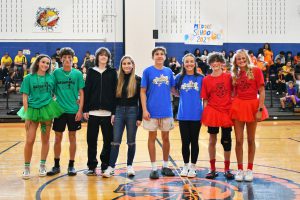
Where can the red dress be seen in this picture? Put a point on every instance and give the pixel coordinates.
(245, 104)
(217, 91)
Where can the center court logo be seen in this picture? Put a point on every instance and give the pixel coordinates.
(263, 187)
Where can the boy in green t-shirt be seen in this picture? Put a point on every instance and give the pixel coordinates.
(69, 84)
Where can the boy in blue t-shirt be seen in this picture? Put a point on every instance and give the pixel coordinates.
(156, 86)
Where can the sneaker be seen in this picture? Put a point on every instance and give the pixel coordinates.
(42, 170)
(167, 172)
(211, 174)
(185, 170)
(239, 176)
(154, 174)
(192, 173)
(91, 172)
(282, 110)
(130, 171)
(108, 172)
(54, 170)
(72, 171)
(26, 173)
(228, 175)
(249, 175)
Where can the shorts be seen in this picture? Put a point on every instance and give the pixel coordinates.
(59, 124)
(163, 124)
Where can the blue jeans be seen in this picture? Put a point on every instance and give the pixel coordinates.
(125, 116)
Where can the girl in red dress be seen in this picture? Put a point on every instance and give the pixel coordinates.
(247, 109)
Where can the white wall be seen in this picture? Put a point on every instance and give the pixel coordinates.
(139, 23)
(243, 21)
(89, 20)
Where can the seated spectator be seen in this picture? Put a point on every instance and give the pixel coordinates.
(75, 62)
(10, 84)
(289, 56)
(174, 65)
(280, 82)
(230, 58)
(253, 58)
(54, 64)
(197, 54)
(297, 66)
(3, 74)
(274, 72)
(281, 56)
(34, 57)
(89, 62)
(56, 55)
(291, 97)
(20, 62)
(6, 61)
(261, 61)
(287, 68)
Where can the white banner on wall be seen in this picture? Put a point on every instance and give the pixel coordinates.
(203, 33)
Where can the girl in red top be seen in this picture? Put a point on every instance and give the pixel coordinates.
(246, 108)
(216, 94)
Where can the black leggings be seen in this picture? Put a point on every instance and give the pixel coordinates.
(189, 131)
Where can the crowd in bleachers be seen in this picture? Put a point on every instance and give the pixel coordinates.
(278, 70)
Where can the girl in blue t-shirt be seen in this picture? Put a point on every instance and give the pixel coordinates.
(189, 84)
(38, 108)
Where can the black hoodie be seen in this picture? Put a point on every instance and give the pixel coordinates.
(100, 90)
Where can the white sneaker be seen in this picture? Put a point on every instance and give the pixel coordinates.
(239, 176)
(184, 171)
(130, 171)
(42, 170)
(108, 172)
(192, 172)
(249, 175)
(26, 173)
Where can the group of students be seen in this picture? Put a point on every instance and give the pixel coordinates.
(113, 101)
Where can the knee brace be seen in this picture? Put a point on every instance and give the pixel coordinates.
(226, 140)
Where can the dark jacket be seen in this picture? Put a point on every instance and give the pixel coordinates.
(100, 90)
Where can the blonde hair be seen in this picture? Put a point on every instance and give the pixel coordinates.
(131, 88)
(236, 69)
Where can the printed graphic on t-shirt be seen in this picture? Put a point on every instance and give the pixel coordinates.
(41, 88)
(161, 80)
(189, 86)
(243, 84)
(66, 84)
(221, 91)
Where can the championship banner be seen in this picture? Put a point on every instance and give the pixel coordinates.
(206, 34)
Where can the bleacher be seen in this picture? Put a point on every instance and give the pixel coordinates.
(15, 101)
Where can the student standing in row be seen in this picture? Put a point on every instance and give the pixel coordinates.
(189, 84)
(38, 108)
(99, 108)
(69, 84)
(156, 86)
(128, 114)
(216, 93)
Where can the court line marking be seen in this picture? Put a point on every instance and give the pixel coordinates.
(42, 187)
(10, 147)
(294, 139)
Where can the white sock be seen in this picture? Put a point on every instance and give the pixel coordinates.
(165, 163)
(154, 167)
(193, 166)
(186, 164)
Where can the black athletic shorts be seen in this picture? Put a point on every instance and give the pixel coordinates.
(59, 124)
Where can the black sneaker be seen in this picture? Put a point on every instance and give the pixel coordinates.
(91, 172)
(54, 170)
(211, 175)
(167, 172)
(154, 175)
(228, 175)
(71, 171)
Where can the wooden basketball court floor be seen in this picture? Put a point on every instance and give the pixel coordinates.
(277, 169)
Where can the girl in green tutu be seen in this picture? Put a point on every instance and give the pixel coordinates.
(38, 108)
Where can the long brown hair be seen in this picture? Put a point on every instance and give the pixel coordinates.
(131, 88)
(236, 69)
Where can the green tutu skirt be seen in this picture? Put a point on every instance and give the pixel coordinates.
(45, 113)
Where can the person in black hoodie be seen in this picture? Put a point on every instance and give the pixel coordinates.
(99, 108)
(128, 113)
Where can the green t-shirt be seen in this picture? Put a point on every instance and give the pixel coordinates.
(38, 88)
(67, 86)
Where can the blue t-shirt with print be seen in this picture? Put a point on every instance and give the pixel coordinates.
(158, 84)
(190, 102)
